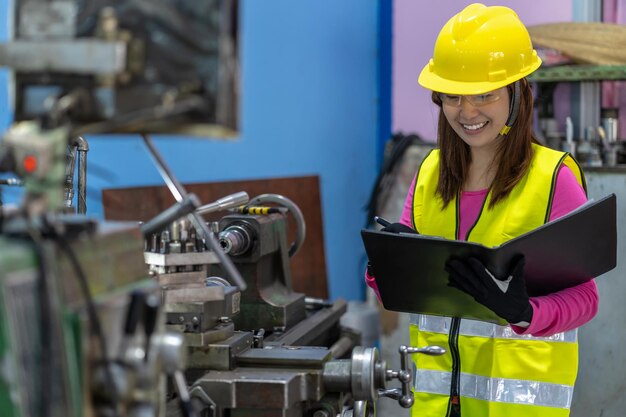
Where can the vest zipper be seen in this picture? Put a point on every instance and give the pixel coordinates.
(454, 403)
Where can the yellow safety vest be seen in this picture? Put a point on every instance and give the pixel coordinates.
(488, 370)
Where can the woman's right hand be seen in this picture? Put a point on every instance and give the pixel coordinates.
(398, 228)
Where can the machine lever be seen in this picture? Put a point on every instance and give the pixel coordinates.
(187, 205)
(427, 350)
(224, 203)
(179, 194)
(403, 395)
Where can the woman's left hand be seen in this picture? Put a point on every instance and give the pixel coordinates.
(506, 297)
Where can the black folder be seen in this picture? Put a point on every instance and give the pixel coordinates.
(568, 251)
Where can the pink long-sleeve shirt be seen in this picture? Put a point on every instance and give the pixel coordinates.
(554, 313)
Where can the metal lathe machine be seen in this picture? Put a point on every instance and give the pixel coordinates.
(175, 315)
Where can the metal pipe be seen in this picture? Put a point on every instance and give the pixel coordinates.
(293, 209)
(69, 175)
(82, 182)
(82, 147)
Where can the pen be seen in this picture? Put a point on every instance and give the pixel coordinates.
(381, 221)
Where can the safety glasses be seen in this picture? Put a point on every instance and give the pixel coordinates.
(477, 100)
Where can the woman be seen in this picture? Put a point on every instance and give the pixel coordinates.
(489, 181)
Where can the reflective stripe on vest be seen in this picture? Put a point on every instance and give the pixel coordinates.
(515, 357)
(497, 389)
(501, 373)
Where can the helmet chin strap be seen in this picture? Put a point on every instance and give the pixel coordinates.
(513, 109)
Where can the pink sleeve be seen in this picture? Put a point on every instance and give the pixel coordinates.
(371, 282)
(407, 211)
(570, 308)
(405, 219)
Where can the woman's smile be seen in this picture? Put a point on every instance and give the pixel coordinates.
(474, 128)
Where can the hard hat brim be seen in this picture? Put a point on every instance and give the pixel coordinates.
(428, 79)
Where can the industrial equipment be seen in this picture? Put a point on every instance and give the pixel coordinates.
(81, 331)
(126, 66)
(265, 350)
(175, 316)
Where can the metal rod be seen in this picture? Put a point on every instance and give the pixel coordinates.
(82, 182)
(69, 175)
(172, 183)
(214, 245)
(82, 147)
(169, 215)
(341, 346)
(178, 191)
(233, 200)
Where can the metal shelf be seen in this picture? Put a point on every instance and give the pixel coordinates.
(572, 73)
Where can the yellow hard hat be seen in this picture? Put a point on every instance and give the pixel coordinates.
(479, 50)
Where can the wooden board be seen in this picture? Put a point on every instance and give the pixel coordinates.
(308, 266)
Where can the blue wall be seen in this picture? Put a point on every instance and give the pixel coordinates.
(310, 106)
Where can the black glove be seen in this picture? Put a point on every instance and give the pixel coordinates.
(505, 297)
(398, 228)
